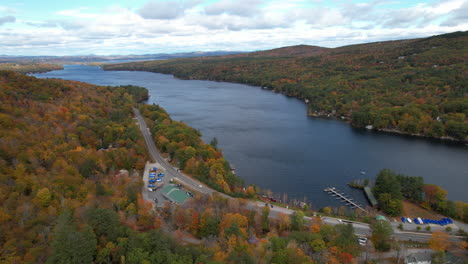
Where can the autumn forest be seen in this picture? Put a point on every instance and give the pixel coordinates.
(70, 188)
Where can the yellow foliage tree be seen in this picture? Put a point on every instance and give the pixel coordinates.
(250, 191)
(232, 220)
(439, 241)
(284, 222)
(43, 197)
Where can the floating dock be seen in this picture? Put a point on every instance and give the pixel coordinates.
(334, 192)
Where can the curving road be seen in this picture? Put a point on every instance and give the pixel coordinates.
(361, 229)
(170, 170)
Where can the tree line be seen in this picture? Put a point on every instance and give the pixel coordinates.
(391, 188)
(30, 67)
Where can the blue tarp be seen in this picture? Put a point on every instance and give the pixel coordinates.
(442, 222)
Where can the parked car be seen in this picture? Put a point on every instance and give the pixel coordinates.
(158, 180)
(190, 194)
(409, 220)
(151, 185)
(161, 174)
(362, 241)
(152, 180)
(150, 189)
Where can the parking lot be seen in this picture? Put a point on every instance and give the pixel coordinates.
(154, 193)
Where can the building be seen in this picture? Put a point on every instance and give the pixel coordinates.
(418, 258)
(381, 218)
(173, 194)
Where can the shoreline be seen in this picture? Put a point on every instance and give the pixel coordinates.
(445, 139)
(317, 115)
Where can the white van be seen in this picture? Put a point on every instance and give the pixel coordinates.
(362, 240)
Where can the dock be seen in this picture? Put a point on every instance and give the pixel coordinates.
(334, 192)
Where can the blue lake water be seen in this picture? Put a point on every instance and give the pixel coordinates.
(272, 143)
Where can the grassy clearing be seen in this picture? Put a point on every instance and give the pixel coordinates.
(412, 210)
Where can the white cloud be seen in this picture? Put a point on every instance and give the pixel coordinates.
(166, 9)
(244, 8)
(457, 15)
(192, 26)
(8, 10)
(7, 19)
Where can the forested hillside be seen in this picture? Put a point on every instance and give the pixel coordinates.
(29, 67)
(62, 146)
(70, 154)
(415, 86)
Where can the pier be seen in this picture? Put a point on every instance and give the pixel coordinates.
(334, 192)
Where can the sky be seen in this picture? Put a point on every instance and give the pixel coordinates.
(122, 27)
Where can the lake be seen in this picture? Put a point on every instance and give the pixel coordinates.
(273, 144)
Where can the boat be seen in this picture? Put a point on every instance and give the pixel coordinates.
(363, 172)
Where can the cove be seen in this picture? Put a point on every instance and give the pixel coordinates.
(273, 144)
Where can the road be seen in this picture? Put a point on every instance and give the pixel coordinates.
(361, 229)
(170, 171)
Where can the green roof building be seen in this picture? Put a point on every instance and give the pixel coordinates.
(380, 218)
(174, 194)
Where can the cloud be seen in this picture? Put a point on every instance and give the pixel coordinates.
(165, 10)
(8, 10)
(327, 17)
(403, 18)
(424, 14)
(457, 16)
(180, 26)
(361, 11)
(7, 19)
(45, 24)
(73, 24)
(244, 8)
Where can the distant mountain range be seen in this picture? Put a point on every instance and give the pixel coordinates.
(98, 58)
